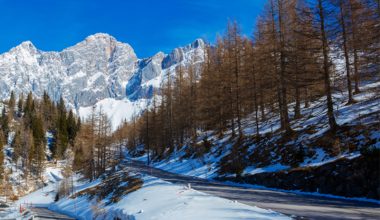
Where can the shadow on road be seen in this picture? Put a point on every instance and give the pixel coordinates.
(292, 204)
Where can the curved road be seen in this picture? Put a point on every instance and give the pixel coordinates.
(44, 213)
(294, 205)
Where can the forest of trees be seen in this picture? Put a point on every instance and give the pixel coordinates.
(96, 147)
(286, 64)
(289, 61)
(24, 124)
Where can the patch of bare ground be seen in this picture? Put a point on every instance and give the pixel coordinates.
(113, 187)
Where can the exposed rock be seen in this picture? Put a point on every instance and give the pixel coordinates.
(99, 67)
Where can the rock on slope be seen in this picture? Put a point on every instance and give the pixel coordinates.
(97, 68)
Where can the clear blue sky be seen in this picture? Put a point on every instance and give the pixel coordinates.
(148, 25)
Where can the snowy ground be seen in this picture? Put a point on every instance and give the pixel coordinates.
(42, 197)
(208, 165)
(157, 199)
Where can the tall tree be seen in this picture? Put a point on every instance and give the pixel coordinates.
(11, 105)
(2, 170)
(38, 150)
(343, 11)
(4, 123)
(322, 14)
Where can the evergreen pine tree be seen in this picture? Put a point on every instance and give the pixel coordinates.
(20, 105)
(28, 110)
(17, 146)
(62, 136)
(11, 105)
(1, 157)
(39, 143)
(71, 127)
(5, 124)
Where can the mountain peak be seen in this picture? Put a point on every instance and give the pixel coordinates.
(100, 36)
(102, 46)
(198, 43)
(28, 45)
(97, 68)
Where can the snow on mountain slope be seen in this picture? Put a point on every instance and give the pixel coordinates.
(116, 110)
(95, 70)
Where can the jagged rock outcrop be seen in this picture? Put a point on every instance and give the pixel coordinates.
(97, 68)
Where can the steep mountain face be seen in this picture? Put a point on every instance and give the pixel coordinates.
(100, 67)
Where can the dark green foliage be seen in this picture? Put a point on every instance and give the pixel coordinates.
(17, 146)
(38, 130)
(28, 110)
(39, 142)
(12, 101)
(20, 105)
(4, 123)
(72, 127)
(34, 119)
(1, 156)
(48, 111)
(56, 197)
(11, 105)
(61, 129)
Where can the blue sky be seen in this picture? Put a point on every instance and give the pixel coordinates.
(148, 25)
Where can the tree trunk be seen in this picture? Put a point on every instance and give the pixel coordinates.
(307, 104)
(283, 86)
(345, 50)
(255, 103)
(355, 50)
(326, 71)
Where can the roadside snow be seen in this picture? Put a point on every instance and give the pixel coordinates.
(271, 168)
(158, 199)
(42, 197)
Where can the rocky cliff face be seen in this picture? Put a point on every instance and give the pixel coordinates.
(97, 68)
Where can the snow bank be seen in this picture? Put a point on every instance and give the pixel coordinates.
(158, 199)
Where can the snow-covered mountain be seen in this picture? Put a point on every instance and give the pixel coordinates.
(98, 68)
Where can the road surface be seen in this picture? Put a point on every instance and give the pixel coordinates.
(291, 204)
(44, 213)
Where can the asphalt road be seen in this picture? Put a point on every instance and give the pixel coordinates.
(44, 213)
(291, 204)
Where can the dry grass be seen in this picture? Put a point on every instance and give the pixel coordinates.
(113, 187)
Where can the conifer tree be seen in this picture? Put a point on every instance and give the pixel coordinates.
(4, 123)
(11, 105)
(28, 110)
(1, 157)
(39, 142)
(20, 104)
(72, 127)
(61, 131)
(17, 146)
